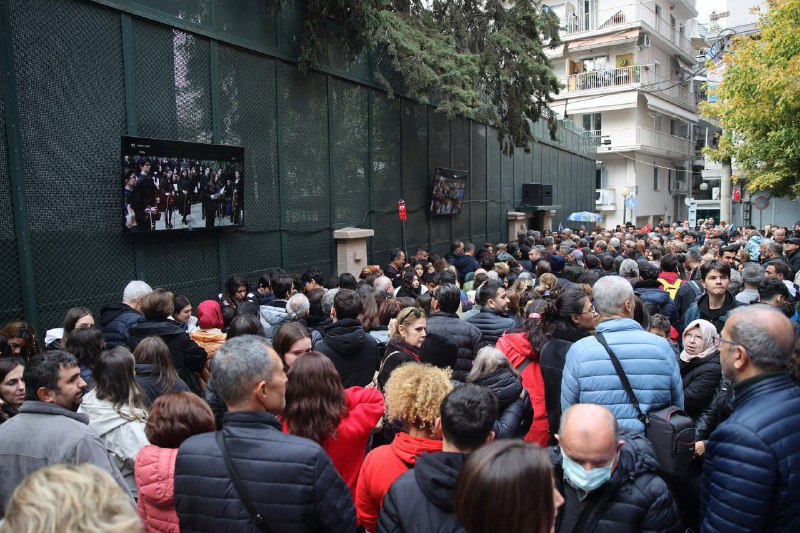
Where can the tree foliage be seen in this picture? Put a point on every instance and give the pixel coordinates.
(482, 59)
(758, 103)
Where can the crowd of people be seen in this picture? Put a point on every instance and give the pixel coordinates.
(503, 387)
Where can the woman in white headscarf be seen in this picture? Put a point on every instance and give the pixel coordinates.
(700, 369)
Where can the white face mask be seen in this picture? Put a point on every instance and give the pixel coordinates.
(586, 480)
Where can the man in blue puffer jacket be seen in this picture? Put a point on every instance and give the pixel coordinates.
(751, 477)
(647, 359)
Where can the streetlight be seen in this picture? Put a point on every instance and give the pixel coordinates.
(626, 191)
(704, 186)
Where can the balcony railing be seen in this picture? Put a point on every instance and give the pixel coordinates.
(634, 75)
(626, 15)
(637, 138)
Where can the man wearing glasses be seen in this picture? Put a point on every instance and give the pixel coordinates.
(751, 478)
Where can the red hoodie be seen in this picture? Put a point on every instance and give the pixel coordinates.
(347, 450)
(155, 473)
(381, 468)
(517, 348)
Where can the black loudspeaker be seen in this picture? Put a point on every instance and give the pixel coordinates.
(547, 195)
(536, 194)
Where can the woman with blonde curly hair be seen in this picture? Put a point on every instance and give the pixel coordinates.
(414, 394)
(55, 498)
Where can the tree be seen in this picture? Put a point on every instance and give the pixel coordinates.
(483, 59)
(758, 103)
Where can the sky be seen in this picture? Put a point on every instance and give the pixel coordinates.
(705, 7)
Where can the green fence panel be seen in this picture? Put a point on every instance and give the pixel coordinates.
(248, 119)
(307, 176)
(493, 192)
(386, 179)
(477, 183)
(461, 155)
(350, 158)
(416, 184)
(439, 140)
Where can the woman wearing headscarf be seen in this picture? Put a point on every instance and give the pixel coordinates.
(700, 368)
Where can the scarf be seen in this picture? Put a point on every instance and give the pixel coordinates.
(707, 330)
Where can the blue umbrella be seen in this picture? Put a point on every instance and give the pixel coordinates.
(585, 216)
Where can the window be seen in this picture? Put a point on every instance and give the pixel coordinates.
(655, 178)
(594, 63)
(657, 67)
(593, 122)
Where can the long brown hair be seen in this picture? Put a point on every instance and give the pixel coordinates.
(288, 334)
(315, 399)
(113, 373)
(506, 486)
(154, 351)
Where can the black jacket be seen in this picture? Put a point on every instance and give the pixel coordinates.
(635, 499)
(551, 362)
(147, 380)
(491, 324)
(115, 322)
(213, 400)
(717, 411)
(186, 355)
(657, 299)
(794, 261)
(422, 498)
(353, 351)
(688, 294)
(465, 335)
(700, 378)
(514, 414)
(290, 481)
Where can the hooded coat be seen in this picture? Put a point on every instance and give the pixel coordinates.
(634, 499)
(123, 437)
(515, 414)
(115, 321)
(465, 335)
(381, 468)
(186, 355)
(518, 350)
(155, 477)
(353, 351)
(422, 498)
(653, 296)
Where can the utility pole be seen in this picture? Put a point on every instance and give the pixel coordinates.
(725, 192)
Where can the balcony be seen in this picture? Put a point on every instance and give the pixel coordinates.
(626, 16)
(678, 187)
(629, 78)
(646, 140)
(605, 200)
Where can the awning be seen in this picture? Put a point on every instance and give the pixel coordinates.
(608, 38)
(593, 104)
(662, 106)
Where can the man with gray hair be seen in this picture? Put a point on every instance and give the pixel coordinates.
(116, 319)
(382, 284)
(285, 483)
(629, 270)
(647, 359)
(750, 480)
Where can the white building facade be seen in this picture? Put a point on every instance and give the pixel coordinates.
(627, 67)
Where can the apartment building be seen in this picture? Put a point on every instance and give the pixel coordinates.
(628, 70)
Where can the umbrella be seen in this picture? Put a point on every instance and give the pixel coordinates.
(585, 216)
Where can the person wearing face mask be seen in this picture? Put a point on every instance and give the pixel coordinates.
(608, 477)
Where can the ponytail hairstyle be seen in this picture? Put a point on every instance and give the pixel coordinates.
(558, 314)
(547, 283)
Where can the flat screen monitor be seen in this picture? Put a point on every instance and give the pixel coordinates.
(448, 191)
(181, 186)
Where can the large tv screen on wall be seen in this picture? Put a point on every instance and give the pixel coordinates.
(448, 191)
(181, 186)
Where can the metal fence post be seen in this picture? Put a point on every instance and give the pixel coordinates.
(16, 170)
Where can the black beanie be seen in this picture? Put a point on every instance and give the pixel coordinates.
(438, 351)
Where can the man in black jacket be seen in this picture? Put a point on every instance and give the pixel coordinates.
(491, 319)
(608, 478)
(445, 322)
(288, 480)
(116, 319)
(422, 498)
(353, 351)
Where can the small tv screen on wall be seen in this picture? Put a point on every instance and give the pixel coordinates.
(448, 191)
(181, 186)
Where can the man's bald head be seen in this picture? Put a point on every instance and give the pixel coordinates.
(589, 434)
(765, 334)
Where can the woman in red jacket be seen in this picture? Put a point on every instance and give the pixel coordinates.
(414, 393)
(173, 419)
(320, 409)
(522, 349)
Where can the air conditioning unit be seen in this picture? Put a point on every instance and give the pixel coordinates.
(715, 193)
(643, 41)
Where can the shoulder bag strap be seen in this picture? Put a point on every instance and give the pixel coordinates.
(523, 365)
(623, 378)
(257, 518)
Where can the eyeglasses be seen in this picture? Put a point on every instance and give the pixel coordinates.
(591, 311)
(718, 340)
